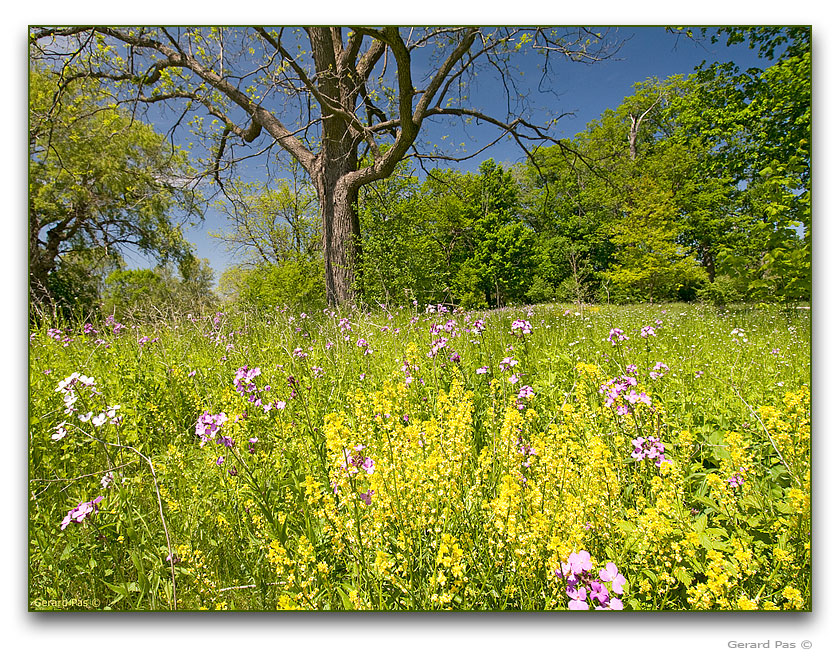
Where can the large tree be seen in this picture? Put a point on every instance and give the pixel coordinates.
(326, 95)
(99, 181)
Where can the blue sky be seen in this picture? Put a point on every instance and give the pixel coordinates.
(584, 90)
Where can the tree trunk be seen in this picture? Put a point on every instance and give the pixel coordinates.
(341, 233)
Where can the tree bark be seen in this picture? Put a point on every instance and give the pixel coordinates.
(341, 232)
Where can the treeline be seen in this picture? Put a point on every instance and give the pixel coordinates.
(695, 187)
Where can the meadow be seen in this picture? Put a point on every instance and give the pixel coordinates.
(552, 457)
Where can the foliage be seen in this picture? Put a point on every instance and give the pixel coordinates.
(99, 181)
(293, 283)
(151, 293)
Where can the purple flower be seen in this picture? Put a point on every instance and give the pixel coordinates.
(520, 327)
(526, 392)
(365, 497)
(578, 562)
(616, 335)
(648, 331)
(508, 363)
(578, 598)
(482, 370)
(599, 593)
(80, 512)
(611, 574)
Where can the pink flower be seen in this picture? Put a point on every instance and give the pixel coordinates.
(82, 511)
(578, 562)
(616, 335)
(578, 598)
(526, 392)
(611, 574)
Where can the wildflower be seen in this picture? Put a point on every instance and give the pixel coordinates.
(578, 598)
(437, 346)
(244, 379)
(478, 327)
(107, 479)
(521, 327)
(659, 370)
(611, 574)
(220, 460)
(578, 562)
(526, 392)
(60, 432)
(454, 357)
(514, 378)
(208, 425)
(508, 363)
(649, 448)
(99, 420)
(736, 480)
(80, 512)
(616, 335)
(365, 497)
(648, 331)
(482, 370)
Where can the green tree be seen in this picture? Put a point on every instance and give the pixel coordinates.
(156, 293)
(99, 181)
(756, 124)
(275, 235)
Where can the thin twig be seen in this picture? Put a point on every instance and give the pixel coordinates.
(769, 437)
(160, 507)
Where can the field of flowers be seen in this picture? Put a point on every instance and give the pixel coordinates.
(543, 458)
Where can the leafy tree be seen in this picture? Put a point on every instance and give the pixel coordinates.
(269, 285)
(501, 264)
(272, 223)
(402, 259)
(756, 124)
(276, 237)
(650, 263)
(153, 293)
(325, 95)
(99, 181)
